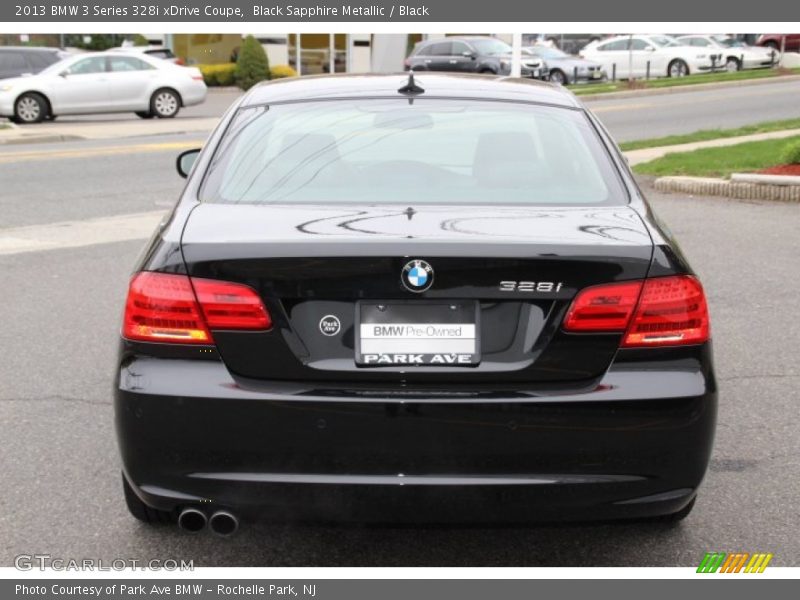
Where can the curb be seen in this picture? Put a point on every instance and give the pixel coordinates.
(765, 178)
(741, 190)
(694, 87)
(40, 139)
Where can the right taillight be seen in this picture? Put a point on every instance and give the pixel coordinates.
(671, 311)
(170, 308)
(663, 311)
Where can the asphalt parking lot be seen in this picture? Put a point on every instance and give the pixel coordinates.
(60, 491)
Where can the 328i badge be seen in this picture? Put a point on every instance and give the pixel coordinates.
(456, 308)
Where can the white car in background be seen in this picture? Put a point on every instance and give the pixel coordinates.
(103, 82)
(736, 55)
(161, 52)
(628, 56)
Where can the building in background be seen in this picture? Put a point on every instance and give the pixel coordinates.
(308, 53)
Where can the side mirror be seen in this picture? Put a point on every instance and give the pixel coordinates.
(185, 161)
(64, 74)
(650, 49)
(470, 55)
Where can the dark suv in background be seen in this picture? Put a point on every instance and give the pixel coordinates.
(471, 55)
(16, 61)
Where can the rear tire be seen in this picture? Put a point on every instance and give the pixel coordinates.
(165, 103)
(141, 511)
(679, 516)
(30, 108)
(559, 77)
(677, 68)
(487, 72)
(142, 114)
(732, 64)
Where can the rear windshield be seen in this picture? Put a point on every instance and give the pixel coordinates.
(429, 152)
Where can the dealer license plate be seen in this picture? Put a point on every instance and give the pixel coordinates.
(417, 333)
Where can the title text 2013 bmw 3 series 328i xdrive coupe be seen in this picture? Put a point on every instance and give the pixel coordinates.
(387, 299)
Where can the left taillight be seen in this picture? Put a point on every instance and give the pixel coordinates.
(168, 308)
(228, 305)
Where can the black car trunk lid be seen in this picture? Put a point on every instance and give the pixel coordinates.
(320, 269)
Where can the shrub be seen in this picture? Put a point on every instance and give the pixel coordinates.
(218, 75)
(252, 65)
(790, 155)
(139, 40)
(281, 71)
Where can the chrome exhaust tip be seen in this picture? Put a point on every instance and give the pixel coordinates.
(223, 523)
(192, 520)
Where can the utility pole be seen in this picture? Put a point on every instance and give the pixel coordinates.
(516, 55)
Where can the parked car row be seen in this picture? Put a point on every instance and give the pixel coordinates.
(102, 82)
(639, 56)
(616, 57)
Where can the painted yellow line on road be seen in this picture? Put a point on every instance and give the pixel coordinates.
(12, 157)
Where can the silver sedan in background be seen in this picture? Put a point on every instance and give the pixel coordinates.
(103, 82)
(565, 69)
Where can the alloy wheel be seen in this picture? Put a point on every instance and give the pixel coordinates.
(29, 109)
(678, 69)
(166, 104)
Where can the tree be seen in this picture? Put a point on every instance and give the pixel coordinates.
(139, 40)
(252, 65)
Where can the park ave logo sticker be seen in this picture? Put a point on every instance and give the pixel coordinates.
(330, 325)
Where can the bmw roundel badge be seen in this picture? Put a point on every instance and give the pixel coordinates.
(417, 276)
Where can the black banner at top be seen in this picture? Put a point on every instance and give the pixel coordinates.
(465, 11)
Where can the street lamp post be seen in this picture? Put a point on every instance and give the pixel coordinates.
(516, 55)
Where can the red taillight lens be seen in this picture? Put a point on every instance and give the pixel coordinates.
(163, 307)
(671, 311)
(603, 307)
(231, 305)
(664, 311)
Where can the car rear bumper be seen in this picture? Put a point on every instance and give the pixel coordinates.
(635, 444)
(194, 94)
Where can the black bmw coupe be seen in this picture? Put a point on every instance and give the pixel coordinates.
(389, 298)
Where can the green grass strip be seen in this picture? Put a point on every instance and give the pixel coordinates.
(711, 134)
(719, 162)
(665, 82)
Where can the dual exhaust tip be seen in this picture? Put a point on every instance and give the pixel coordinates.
(194, 520)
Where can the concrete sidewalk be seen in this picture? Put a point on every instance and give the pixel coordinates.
(100, 130)
(636, 157)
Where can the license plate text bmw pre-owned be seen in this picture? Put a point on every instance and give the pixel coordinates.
(417, 333)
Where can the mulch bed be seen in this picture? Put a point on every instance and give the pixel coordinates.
(782, 170)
